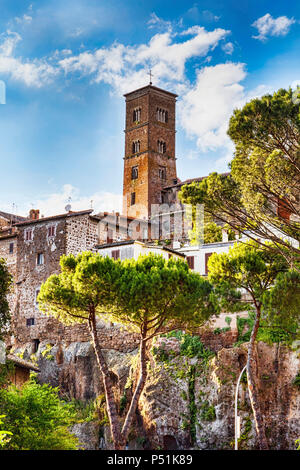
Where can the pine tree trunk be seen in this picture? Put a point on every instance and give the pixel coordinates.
(253, 392)
(108, 388)
(137, 392)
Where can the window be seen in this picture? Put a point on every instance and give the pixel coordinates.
(162, 172)
(28, 235)
(132, 201)
(134, 173)
(11, 248)
(29, 321)
(207, 256)
(161, 146)
(162, 115)
(136, 145)
(51, 231)
(40, 259)
(110, 235)
(136, 115)
(115, 254)
(191, 261)
(37, 291)
(35, 344)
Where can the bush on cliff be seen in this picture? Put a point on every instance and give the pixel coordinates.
(36, 419)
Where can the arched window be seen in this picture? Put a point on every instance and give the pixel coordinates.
(134, 173)
(161, 115)
(136, 146)
(136, 115)
(162, 172)
(161, 146)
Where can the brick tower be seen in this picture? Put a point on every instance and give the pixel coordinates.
(149, 162)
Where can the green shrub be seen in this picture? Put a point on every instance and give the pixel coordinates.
(37, 418)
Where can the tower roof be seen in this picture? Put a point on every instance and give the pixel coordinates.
(146, 89)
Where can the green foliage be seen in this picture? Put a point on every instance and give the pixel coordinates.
(123, 402)
(207, 412)
(296, 380)
(264, 170)
(218, 331)
(46, 352)
(6, 371)
(5, 285)
(282, 301)
(131, 291)
(37, 418)
(84, 411)
(4, 435)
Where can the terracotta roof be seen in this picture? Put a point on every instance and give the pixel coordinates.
(53, 217)
(12, 217)
(22, 363)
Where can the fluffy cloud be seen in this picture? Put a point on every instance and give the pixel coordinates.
(123, 66)
(32, 73)
(205, 108)
(269, 26)
(228, 48)
(55, 203)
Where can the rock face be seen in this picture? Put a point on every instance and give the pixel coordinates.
(188, 399)
(73, 368)
(88, 435)
(188, 405)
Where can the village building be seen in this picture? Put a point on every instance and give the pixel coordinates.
(32, 246)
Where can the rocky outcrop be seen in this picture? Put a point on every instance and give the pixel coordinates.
(189, 404)
(188, 399)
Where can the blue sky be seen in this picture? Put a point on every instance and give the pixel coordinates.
(67, 64)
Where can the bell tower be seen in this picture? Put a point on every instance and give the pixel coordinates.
(149, 161)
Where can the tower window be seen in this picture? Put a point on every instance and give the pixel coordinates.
(136, 145)
(162, 172)
(132, 201)
(11, 248)
(29, 321)
(136, 115)
(40, 259)
(162, 115)
(134, 173)
(161, 146)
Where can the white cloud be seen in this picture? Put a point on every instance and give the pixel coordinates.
(205, 108)
(126, 67)
(156, 22)
(228, 48)
(55, 203)
(23, 19)
(32, 73)
(269, 26)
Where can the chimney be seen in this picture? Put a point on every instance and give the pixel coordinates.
(34, 214)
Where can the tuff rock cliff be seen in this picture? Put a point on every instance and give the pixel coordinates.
(188, 400)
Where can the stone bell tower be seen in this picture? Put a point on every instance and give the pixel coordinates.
(149, 161)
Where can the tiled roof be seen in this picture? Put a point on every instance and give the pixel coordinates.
(53, 217)
(14, 218)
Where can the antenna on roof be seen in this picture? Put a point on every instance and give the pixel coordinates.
(68, 206)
